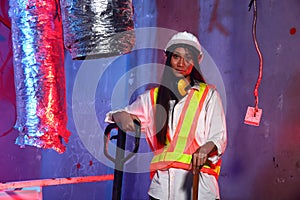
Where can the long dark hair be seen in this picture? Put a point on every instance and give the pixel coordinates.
(167, 92)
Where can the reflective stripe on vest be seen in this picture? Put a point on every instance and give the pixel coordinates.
(178, 153)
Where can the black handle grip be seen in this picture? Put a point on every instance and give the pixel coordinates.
(107, 137)
(137, 127)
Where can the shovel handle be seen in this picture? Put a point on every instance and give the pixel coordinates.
(196, 183)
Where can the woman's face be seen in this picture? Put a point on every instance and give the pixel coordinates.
(182, 62)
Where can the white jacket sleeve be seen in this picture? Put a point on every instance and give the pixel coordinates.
(141, 107)
(215, 122)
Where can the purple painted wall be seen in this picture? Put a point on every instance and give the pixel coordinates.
(260, 162)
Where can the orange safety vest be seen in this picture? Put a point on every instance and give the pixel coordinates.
(178, 152)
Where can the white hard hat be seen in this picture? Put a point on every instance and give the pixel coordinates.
(185, 38)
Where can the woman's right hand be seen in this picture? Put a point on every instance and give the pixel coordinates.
(125, 121)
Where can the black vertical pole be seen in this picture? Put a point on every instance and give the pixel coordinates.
(119, 165)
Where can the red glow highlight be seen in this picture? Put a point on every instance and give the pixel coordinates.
(293, 31)
(5, 22)
(56, 181)
(78, 165)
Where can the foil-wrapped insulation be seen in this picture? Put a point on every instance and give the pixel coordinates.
(98, 28)
(39, 73)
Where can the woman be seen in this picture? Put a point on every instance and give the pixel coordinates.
(184, 123)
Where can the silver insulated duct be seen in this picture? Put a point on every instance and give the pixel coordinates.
(39, 73)
(97, 28)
